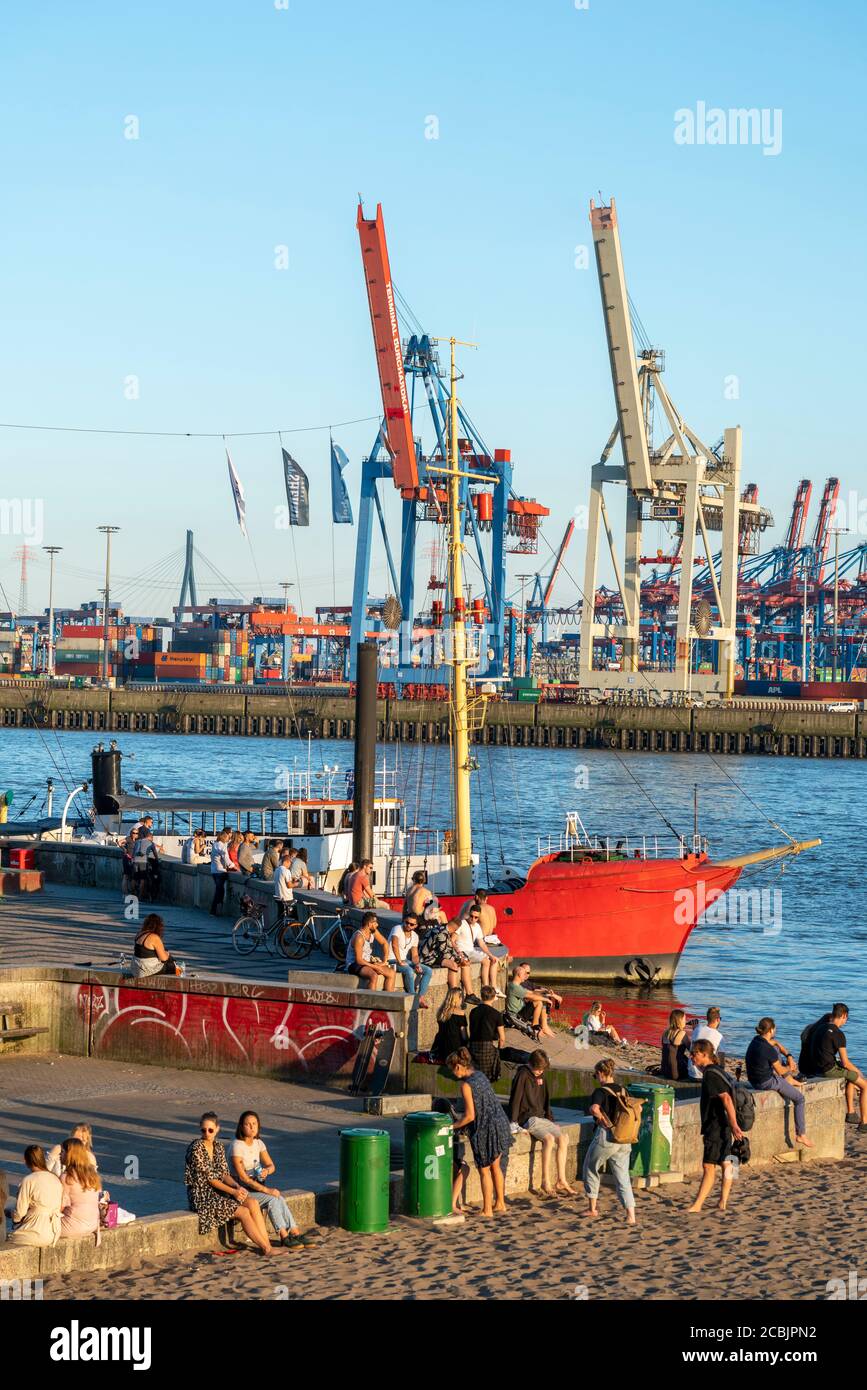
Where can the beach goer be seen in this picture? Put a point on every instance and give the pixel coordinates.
(601, 1031)
(213, 1194)
(709, 1031)
(528, 1006)
(771, 1068)
(824, 1054)
(252, 1164)
(487, 1128)
(56, 1156)
(232, 846)
(127, 860)
(146, 867)
(221, 867)
(403, 955)
(530, 1109)
(487, 1034)
(436, 949)
(470, 941)
(79, 1211)
(36, 1214)
(271, 859)
(150, 956)
(606, 1104)
(359, 955)
(343, 881)
(451, 1033)
(301, 875)
(719, 1124)
(145, 823)
(284, 893)
(676, 1042)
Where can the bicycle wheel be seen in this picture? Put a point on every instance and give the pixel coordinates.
(294, 940)
(246, 935)
(338, 941)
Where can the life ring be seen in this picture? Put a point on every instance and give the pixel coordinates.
(641, 969)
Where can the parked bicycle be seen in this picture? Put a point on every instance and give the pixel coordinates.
(319, 931)
(252, 930)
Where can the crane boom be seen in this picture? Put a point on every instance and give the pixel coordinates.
(558, 562)
(798, 522)
(822, 534)
(621, 349)
(389, 351)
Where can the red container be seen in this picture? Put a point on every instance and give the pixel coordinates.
(22, 859)
(485, 506)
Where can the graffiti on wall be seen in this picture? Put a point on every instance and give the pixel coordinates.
(231, 1032)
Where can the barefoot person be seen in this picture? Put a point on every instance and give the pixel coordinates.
(530, 1109)
(213, 1194)
(771, 1068)
(488, 1130)
(605, 1104)
(529, 1006)
(601, 1031)
(719, 1124)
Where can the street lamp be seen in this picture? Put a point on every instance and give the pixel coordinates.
(108, 531)
(286, 585)
(51, 550)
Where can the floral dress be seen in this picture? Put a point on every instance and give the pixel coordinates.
(212, 1208)
(490, 1134)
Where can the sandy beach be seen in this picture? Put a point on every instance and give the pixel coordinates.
(789, 1231)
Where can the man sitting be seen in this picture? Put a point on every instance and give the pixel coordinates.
(527, 1009)
(824, 1054)
(530, 1109)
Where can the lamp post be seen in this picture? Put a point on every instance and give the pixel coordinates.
(108, 531)
(286, 585)
(51, 550)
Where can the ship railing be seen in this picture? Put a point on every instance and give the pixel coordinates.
(619, 846)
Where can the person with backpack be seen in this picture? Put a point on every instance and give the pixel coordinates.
(720, 1126)
(771, 1068)
(618, 1119)
(823, 1053)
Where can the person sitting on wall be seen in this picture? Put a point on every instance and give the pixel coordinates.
(36, 1215)
(360, 887)
(824, 1054)
(451, 1026)
(79, 1212)
(194, 848)
(252, 1165)
(419, 899)
(213, 1194)
(271, 859)
(246, 850)
(530, 1109)
(150, 956)
(470, 941)
(301, 875)
(403, 955)
(771, 1068)
(343, 881)
(527, 1008)
(377, 974)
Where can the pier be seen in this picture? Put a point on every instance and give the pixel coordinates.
(746, 726)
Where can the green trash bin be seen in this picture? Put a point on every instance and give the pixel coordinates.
(428, 1141)
(652, 1151)
(364, 1179)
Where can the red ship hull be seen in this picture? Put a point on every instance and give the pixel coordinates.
(625, 920)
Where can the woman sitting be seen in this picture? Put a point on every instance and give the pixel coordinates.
(676, 1042)
(150, 956)
(601, 1031)
(36, 1217)
(252, 1165)
(487, 1127)
(56, 1158)
(213, 1194)
(452, 1031)
(301, 875)
(80, 1184)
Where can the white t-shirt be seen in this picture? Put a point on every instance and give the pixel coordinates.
(594, 1023)
(711, 1035)
(250, 1153)
(220, 861)
(406, 943)
(283, 884)
(469, 937)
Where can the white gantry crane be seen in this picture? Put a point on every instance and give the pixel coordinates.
(681, 481)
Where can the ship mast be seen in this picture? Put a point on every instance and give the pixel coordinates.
(462, 866)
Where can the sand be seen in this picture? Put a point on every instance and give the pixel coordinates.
(789, 1230)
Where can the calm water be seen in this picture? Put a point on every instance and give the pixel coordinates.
(748, 969)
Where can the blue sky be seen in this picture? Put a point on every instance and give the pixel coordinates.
(259, 126)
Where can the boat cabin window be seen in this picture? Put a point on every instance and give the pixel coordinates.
(296, 819)
(346, 819)
(329, 820)
(312, 822)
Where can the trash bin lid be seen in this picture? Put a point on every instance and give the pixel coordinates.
(433, 1118)
(363, 1133)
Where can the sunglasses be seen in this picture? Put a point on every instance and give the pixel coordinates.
(208, 1129)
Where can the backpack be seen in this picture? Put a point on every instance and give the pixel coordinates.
(628, 1121)
(745, 1108)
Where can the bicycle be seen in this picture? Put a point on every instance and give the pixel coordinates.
(302, 938)
(252, 930)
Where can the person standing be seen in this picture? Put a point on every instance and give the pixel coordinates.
(246, 849)
(676, 1042)
(284, 893)
(488, 1129)
(487, 1034)
(221, 867)
(606, 1103)
(271, 859)
(771, 1068)
(719, 1124)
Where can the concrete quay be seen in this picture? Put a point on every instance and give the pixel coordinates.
(741, 726)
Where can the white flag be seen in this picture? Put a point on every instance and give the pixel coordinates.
(238, 494)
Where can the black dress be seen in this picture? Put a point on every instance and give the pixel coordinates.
(451, 1036)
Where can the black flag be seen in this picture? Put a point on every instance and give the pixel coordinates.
(297, 492)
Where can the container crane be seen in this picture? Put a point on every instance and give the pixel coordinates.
(822, 533)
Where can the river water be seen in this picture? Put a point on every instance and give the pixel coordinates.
(799, 951)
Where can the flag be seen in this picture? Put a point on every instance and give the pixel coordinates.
(238, 494)
(297, 492)
(341, 507)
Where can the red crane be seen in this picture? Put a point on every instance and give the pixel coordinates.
(822, 534)
(798, 522)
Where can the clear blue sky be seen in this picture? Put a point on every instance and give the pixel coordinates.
(259, 126)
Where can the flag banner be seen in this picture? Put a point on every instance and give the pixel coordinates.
(238, 494)
(341, 507)
(297, 492)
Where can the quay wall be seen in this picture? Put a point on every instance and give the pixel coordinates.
(781, 728)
